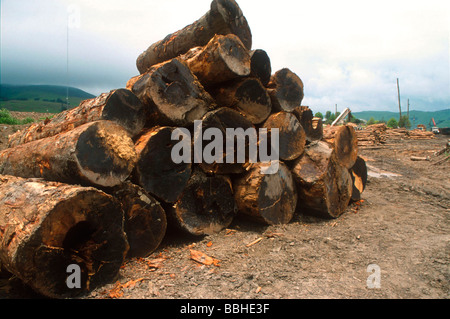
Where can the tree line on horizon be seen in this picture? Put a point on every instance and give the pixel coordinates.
(329, 118)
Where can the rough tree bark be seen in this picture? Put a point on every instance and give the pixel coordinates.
(266, 198)
(47, 226)
(120, 106)
(248, 96)
(224, 17)
(261, 66)
(324, 186)
(286, 90)
(222, 119)
(98, 153)
(145, 220)
(305, 115)
(292, 135)
(172, 94)
(224, 58)
(358, 174)
(345, 143)
(206, 206)
(156, 170)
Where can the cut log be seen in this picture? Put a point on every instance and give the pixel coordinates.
(224, 58)
(358, 174)
(156, 170)
(261, 66)
(224, 17)
(145, 220)
(248, 96)
(314, 132)
(267, 198)
(345, 142)
(96, 154)
(241, 142)
(324, 186)
(47, 226)
(120, 106)
(292, 137)
(172, 94)
(286, 90)
(206, 206)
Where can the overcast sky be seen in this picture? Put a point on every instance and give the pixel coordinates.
(346, 52)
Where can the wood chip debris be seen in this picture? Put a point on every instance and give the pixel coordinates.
(254, 242)
(203, 259)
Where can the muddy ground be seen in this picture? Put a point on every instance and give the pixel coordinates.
(402, 226)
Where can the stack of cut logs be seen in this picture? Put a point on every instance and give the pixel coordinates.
(403, 133)
(98, 184)
(372, 135)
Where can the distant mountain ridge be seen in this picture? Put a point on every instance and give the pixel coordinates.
(14, 92)
(441, 117)
(40, 98)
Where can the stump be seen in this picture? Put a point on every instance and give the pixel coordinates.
(248, 96)
(269, 199)
(172, 94)
(96, 154)
(291, 133)
(224, 17)
(324, 186)
(286, 90)
(120, 106)
(145, 220)
(47, 226)
(206, 205)
(156, 170)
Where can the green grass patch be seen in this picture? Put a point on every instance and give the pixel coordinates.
(6, 118)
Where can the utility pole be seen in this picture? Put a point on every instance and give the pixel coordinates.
(408, 109)
(399, 103)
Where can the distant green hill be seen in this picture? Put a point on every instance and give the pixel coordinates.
(39, 98)
(442, 118)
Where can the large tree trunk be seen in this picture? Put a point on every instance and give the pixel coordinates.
(225, 17)
(345, 143)
(286, 90)
(145, 220)
(206, 206)
(324, 186)
(266, 198)
(120, 106)
(156, 171)
(47, 226)
(248, 96)
(292, 137)
(358, 174)
(225, 119)
(261, 66)
(172, 94)
(224, 58)
(98, 153)
(305, 115)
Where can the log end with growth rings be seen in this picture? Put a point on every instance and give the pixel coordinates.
(105, 154)
(66, 226)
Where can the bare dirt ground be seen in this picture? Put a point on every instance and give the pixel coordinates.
(402, 226)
